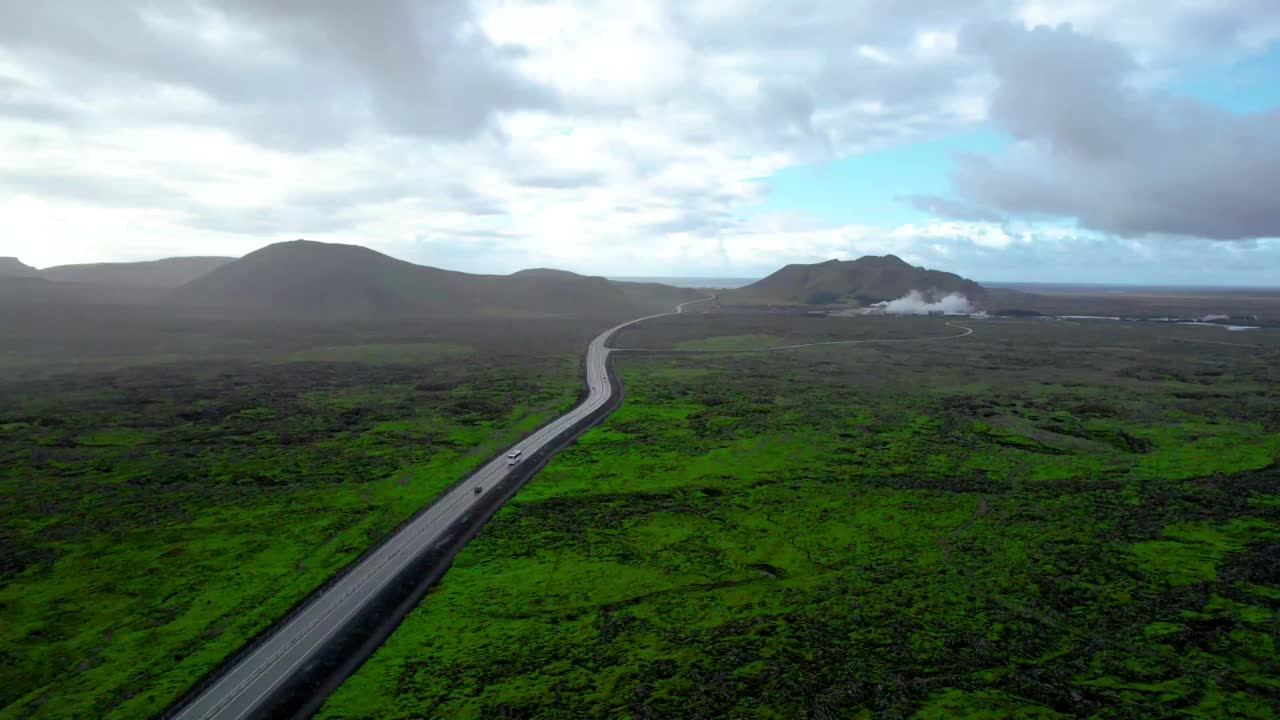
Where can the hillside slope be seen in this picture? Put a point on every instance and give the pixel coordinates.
(324, 281)
(13, 267)
(166, 273)
(864, 281)
(645, 297)
(651, 298)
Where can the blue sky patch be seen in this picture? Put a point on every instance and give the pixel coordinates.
(866, 189)
(1251, 85)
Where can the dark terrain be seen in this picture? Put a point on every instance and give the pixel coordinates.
(1044, 519)
(182, 465)
(172, 484)
(13, 267)
(1252, 305)
(1040, 520)
(865, 281)
(166, 273)
(347, 282)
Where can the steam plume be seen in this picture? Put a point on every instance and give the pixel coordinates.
(915, 303)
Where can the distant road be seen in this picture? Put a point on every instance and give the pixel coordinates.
(241, 691)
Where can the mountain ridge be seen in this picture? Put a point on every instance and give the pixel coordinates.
(169, 272)
(865, 281)
(13, 267)
(305, 278)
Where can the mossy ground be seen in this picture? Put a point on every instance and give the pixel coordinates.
(158, 515)
(1033, 522)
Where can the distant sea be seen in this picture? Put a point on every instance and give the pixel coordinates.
(1034, 287)
(1118, 289)
(691, 282)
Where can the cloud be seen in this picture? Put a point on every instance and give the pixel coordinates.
(560, 180)
(1092, 146)
(608, 136)
(947, 207)
(290, 73)
(1163, 31)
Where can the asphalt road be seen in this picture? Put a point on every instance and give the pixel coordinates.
(242, 690)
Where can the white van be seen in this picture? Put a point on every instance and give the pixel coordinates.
(513, 457)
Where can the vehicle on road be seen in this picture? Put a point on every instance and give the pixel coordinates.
(251, 682)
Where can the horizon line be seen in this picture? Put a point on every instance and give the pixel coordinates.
(1075, 283)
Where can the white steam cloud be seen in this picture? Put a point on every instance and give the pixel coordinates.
(915, 303)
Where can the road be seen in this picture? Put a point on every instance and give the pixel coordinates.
(241, 691)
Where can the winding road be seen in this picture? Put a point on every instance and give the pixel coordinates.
(243, 688)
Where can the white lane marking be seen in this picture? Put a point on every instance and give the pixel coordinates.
(968, 331)
(417, 545)
(375, 575)
(402, 544)
(413, 543)
(371, 570)
(444, 506)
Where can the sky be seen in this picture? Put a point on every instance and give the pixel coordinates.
(1093, 141)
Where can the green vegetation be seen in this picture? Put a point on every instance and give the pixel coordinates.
(732, 342)
(1032, 522)
(380, 353)
(157, 515)
(822, 297)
